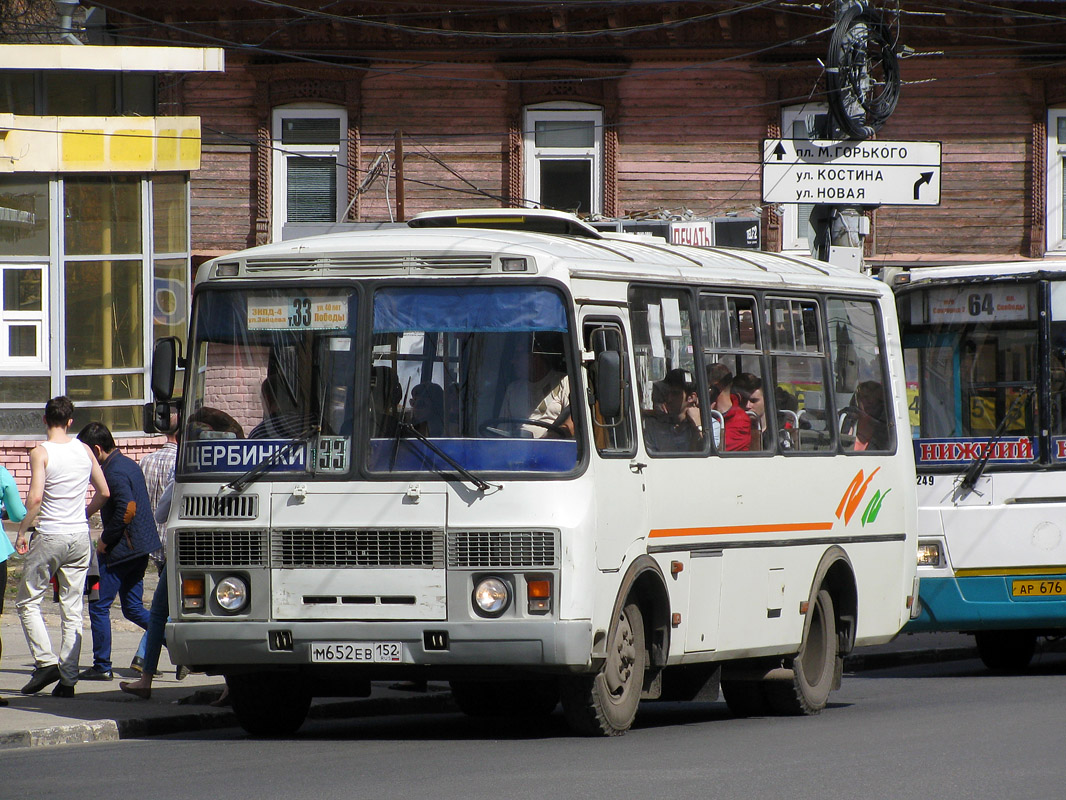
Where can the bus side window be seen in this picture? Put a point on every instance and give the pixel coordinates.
(664, 357)
(804, 420)
(612, 435)
(863, 408)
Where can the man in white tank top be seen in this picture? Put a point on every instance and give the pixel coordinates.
(61, 469)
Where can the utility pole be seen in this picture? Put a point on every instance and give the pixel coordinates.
(863, 84)
(398, 156)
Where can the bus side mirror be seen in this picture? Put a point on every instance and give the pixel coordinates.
(159, 417)
(164, 363)
(609, 383)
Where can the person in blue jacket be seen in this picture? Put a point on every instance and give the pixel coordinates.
(128, 537)
(12, 508)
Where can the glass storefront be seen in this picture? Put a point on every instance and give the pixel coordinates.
(106, 259)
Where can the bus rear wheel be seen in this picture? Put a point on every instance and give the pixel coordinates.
(510, 698)
(605, 704)
(268, 703)
(813, 667)
(1006, 651)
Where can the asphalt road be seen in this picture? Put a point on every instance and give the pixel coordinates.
(943, 731)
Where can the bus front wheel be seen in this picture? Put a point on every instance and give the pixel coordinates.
(1006, 651)
(268, 703)
(813, 667)
(605, 704)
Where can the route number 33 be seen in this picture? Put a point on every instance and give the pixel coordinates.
(301, 313)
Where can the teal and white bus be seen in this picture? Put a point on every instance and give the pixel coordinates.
(985, 353)
(482, 449)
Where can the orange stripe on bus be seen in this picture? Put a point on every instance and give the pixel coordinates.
(797, 527)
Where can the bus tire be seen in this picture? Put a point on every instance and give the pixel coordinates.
(745, 698)
(268, 703)
(1006, 651)
(813, 667)
(511, 698)
(605, 704)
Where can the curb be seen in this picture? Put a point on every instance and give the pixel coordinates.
(109, 730)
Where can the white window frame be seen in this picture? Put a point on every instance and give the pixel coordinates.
(1056, 158)
(790, 237)
(339, 151)
(39, 319)
(566, 112)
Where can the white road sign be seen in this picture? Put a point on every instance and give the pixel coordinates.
(868, 173)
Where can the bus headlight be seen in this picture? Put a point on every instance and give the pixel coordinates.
(491, 597)
(232, 593)
(929, 554)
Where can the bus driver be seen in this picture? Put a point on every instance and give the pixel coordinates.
(544, 395)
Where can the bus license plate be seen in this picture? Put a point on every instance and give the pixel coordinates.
(356, 652)
(1044, 588)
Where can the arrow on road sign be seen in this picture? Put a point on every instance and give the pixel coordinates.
(926, 177)
(779, 151)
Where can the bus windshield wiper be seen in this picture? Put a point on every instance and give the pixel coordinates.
(968, 482)
(252, 475)
(462, 471)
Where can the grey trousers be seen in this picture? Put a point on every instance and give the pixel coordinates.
(66, 556)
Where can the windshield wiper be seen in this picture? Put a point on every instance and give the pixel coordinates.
(252, 475)
(462, 471)
(968, 482)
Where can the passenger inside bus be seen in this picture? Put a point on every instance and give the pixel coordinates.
(788, 418)
(871, 427)
(427, 409)
(729, 404)
(281, 417)
(674, 424)
(543, 396)
(749, 387)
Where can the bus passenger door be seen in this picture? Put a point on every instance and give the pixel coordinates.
(617, 475)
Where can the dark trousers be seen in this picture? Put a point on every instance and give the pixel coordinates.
(126, 581)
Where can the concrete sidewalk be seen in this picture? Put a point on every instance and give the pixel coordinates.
(100, 711)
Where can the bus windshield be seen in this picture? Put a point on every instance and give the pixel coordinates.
(450, 379)
(972, 361)
(269, 366)
(484, 373)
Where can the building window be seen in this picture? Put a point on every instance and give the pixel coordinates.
(310, 165)
(797, 122)
(87, 260)
(563, 147)
(1056, 185)
(77, 93)
(22, 317)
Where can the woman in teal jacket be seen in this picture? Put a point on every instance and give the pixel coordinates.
(13, 509)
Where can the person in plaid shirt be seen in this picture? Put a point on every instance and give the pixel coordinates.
(158, 469)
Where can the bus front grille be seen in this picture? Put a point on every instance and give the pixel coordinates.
(501, 549)
(342, 547)
(220, 548)
(212, 506)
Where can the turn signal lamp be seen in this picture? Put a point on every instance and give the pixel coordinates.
(539, 594)
(192, 594)
(929, 554)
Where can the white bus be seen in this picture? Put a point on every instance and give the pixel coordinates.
(985, 353)
(482, 449)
